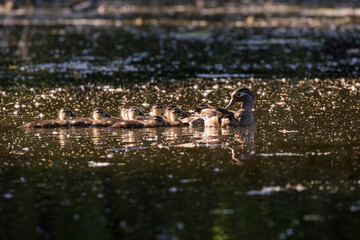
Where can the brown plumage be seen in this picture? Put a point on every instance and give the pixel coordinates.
(96, 115)
(174, 118)
(130, 112)
(244, 115)
(155, 121)
(64, 115)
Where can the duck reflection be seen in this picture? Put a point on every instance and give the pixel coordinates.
(239, 141)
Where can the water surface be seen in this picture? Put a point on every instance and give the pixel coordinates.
(295, 174)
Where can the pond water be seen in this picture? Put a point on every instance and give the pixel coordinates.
(296, 174)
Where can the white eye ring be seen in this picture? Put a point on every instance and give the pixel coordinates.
(239, 94)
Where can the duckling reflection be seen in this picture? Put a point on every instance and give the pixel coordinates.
(239, 141)
(173, 134)
(99, 139)
(64, 136)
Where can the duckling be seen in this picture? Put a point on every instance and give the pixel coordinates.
(244, 115)
(130, 113)
(210, 117)
(154, 121)
(97, 115)
(169, 108)
(64, 115)
(174, 118)
(195, 120)
(157, 109)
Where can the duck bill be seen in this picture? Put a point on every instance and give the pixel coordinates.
(232, 102)
(107, 115)
(72, 115)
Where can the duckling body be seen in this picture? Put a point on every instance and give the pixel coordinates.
(151, 122)
(105, 122)
(64, 115)
(96, 115)
(223, 117)
(213, 117)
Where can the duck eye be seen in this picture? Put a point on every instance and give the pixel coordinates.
(239, 94)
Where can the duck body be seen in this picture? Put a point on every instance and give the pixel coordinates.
(244, 116)
(209, 116)
(64, 115)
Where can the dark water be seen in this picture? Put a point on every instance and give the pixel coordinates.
(295, 175)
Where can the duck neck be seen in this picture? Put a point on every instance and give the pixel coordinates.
(247, 105)
(62, 117)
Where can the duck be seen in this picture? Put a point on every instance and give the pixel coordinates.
(130, 112)
(64, 115)
(154, 121)
(157, 109)
(96, 115)
(195, 120)
(243, 116)
(209, 116)
(175, 114)
(170, 107)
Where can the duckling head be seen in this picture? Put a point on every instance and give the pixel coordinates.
(99, 113)
(242, 95)
(132, 113)
(168, 109)
(65, 114)
(175, 114)
(157, 109)
(157, 121)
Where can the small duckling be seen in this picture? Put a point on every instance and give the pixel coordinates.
(157, 109)
(174, 118)
(169, 108)
(209, 116)
(64, 115)
(130, 113)
(154, 121)
(96, 115)
(195, 120)
(244, 115)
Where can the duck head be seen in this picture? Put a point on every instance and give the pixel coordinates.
(244, 96)
(99, 113)
(65, 114)
(158, 109)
